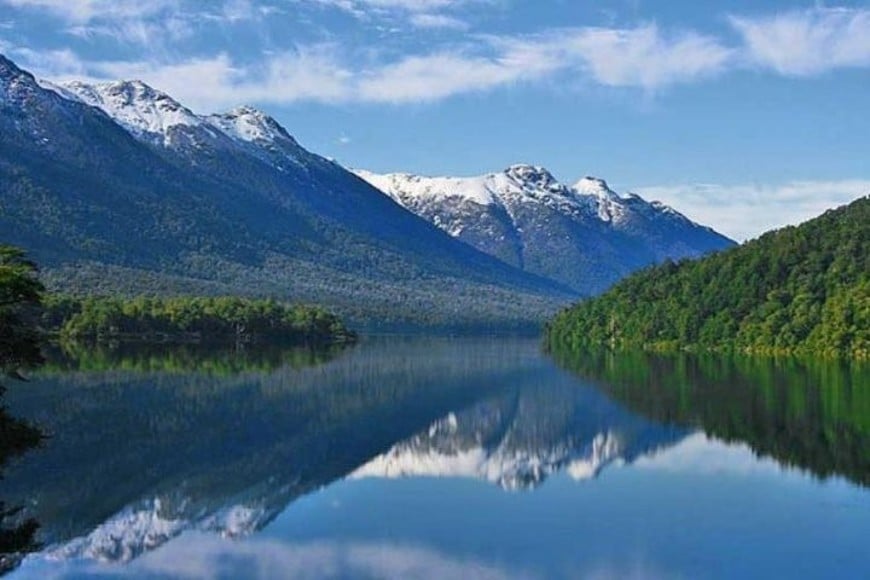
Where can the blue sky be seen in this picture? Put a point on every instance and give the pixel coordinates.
(743, 114)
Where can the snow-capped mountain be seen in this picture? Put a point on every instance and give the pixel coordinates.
(118, 186)
(156, 117)
(142, 110)
(586, 235)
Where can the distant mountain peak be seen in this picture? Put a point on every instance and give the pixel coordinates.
(8, 68)
(12, 78)
(586, 236)
(530, 173)
(137, 106)
(247, 123)
(590, 185)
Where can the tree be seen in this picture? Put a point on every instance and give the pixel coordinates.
(20, 296)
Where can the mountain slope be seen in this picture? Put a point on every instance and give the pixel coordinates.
(117, 187)
(585, 236)
(803, 289)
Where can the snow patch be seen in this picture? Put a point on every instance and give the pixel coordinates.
(139, 108)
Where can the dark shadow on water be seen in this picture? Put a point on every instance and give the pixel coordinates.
(805, 413)
(19, 352)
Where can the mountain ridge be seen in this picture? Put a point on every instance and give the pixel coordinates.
(91, 198)
(586, 236)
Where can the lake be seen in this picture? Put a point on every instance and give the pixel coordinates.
(435, 457)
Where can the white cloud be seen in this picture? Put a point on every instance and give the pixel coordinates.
(746, 211)
(82, 11)
(807, 42)
(406, 5)
(143, 22)
(438, 21)
(643, 57)
(437, 76)
(639, 57)
(209, 84)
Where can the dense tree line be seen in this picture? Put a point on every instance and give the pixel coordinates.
(803, 289)
(201, 318)
(434, 303)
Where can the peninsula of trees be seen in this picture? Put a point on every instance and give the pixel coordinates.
(26, 308)
(799, 290)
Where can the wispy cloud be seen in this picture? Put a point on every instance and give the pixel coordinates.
(81, 11)
(406, 5)
(443, 21)
(646, 57)
(137, 21)
(640, 57)
(746, 211)
(807, 42)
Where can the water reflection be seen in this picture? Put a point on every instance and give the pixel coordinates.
(19, 352)
(522, 435)
(809, 414)
(139, 456)
(175, 448)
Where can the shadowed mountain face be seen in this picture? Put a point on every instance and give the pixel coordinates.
(585, 236)
(141, 452)
(119, 188)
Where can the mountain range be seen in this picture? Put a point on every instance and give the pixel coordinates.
(585, 236)
(119, 188)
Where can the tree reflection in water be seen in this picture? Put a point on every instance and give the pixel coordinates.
(813, 414)
(19, 351)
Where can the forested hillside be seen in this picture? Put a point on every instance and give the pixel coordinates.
(199, 208)
(803, 289)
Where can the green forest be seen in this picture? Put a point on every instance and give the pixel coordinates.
(28, 308)
(798, 290)
(198, 318)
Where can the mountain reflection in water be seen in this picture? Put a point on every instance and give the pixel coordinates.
(148, 444)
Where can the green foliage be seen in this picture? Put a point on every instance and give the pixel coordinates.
(802, 289)
(20, 295)
(194, 318)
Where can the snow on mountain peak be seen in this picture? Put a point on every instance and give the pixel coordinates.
(406, 188)
(517, 183)
(138, 107)
(248, 124)
(8, 69)
(15, 83)
(531, 175)
(596, 186)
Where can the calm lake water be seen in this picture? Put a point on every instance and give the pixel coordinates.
(443, 458)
